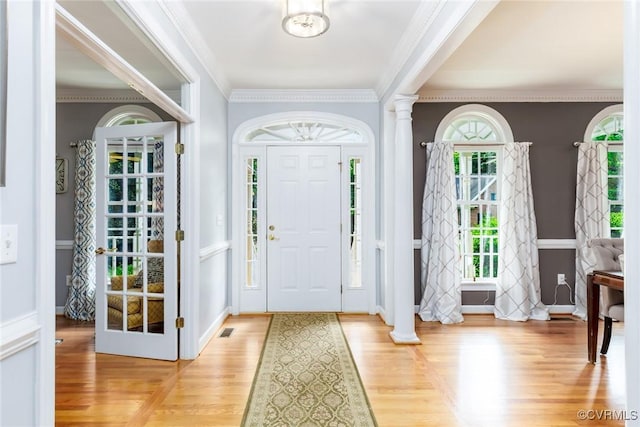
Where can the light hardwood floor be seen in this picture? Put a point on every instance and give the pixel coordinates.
(483, 372)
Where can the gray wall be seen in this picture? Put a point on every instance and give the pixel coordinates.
(75, 121)
(552, 128)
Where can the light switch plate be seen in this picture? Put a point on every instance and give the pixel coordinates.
(8, 244)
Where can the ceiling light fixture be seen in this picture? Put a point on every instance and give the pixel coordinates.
(305, 18)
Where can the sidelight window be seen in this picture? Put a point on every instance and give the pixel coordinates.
(252, 257)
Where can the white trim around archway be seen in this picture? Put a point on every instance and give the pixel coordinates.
(116, 115)
(246, 299)
(497, 120)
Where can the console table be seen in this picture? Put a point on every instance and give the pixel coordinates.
(611, 279)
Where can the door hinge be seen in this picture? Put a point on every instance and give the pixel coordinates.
(179, 148)
(179, 322)
(340, 227)
(179, 235)
(340, 164)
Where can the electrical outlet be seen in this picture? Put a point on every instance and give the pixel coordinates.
(561, 279)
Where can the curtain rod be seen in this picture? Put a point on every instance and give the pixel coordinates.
(491, 144)
(577, 143)
(75, 143)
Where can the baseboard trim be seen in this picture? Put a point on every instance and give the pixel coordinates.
(561, 309)
(59, 310)
(18, 334)
(477, 309)
(211, 330)
(383, 314)
(488, 309)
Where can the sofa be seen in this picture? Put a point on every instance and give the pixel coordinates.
(606, 253)
(135, 303)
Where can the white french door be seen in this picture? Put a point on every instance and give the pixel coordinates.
(303, 228)
(136, 262)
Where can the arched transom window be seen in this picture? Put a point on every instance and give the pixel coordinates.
(305, 131)
(477, 132)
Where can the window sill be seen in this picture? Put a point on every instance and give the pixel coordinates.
(478, 286)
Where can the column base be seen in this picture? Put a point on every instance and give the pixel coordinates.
(404, 338)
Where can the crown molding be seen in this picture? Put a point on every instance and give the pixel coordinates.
(295, 95)
(419, 25)
(114, 96)
(183, 23)
(547, 95)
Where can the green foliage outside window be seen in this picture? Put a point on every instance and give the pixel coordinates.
(487, 232)
(615, 164)
(118, 270)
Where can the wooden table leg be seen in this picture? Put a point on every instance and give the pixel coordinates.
(593, 307)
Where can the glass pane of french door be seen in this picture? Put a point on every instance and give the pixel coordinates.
(134, 217)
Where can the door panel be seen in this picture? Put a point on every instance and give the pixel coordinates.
(136, 283)
(303, 243)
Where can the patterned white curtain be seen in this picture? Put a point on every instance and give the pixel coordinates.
(157, 223)
(592, 213)
(518, 285)
(441, 276)
(81, 302)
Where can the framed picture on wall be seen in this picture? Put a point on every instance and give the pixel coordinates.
(4, 54)
(61, 174)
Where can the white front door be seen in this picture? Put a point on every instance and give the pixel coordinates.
(136, 262)
(303, 229)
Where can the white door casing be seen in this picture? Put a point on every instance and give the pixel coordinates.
(303, 228)
(250, 143)
(139, 213)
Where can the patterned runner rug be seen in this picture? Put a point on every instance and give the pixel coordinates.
(306, 376)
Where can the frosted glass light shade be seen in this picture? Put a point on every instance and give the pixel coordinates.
(305, 18)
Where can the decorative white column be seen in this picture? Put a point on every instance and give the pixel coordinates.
(632, 208)
(404, 331)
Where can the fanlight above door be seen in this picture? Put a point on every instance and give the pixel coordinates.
(305, 131)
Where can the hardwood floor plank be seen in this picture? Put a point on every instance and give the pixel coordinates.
(483, 372)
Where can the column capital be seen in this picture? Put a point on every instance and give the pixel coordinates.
(404, 105)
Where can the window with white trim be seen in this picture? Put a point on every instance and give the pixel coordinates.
(477, 132)
(252, 259)
(355, 222)
(608, 126)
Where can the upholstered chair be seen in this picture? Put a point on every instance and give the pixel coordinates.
(606, 253)
(134, 306)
